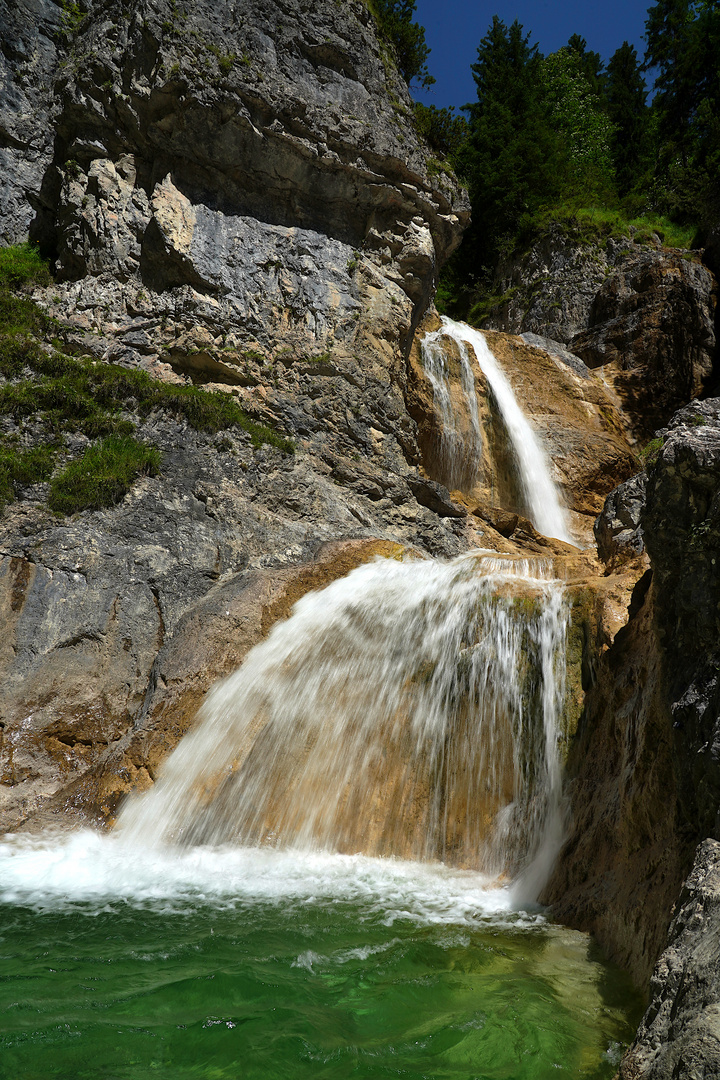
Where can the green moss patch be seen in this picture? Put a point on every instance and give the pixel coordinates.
(103, 475)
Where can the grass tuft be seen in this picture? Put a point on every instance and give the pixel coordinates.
(19, 468)
(103, 475)
(21, 265)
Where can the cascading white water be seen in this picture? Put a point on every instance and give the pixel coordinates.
(461, 452)
(409, 709)
(539, 492)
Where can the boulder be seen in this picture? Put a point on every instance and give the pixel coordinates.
(651, 329)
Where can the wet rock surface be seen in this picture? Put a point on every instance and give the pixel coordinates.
(576, 417)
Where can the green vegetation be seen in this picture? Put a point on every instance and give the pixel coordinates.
(563, 139)
(22, 265)
(441, 129)
(103, 475)
(649, 454)
(104, 402)
(226, 61)
(407, 38)
(19, 468)
(72, 16)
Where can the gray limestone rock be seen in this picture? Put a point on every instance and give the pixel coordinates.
(679, 1036)
(618, 529)
(28, 61)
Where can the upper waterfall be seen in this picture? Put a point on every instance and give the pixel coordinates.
(538, 491)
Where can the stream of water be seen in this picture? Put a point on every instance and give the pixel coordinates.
(335, 875)
(541, 501)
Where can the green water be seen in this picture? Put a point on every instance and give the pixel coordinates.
(322, 973)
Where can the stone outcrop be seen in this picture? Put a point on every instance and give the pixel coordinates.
(645, 776)
(679, 1036)
(643, 314)
(651, 329)
(618, 529)
(258, 169)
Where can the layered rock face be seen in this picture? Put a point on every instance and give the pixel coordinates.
(643, 314)
(645, 781)
(235, 194)
(258, 165)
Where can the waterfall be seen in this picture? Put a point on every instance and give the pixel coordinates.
(539, 493)
(460, 451)
(410, 709)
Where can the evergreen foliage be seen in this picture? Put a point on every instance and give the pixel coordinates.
(510, 157)
(396, 24)
(625, 98)
(683, 43)
(442, 129)
(562, 138)
(571, 85)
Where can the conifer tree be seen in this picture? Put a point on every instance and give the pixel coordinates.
(683, 43)
(396, 21)
(626, 103)
(511, 158)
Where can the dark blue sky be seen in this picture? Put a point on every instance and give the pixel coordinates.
(453, 29)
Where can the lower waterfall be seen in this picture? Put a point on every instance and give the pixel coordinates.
(331, 877)
(409, 709)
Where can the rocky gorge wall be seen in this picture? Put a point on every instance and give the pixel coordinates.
(234, 196)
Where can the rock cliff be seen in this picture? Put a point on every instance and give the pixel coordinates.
(641, 313)
(234, 196)
(645, 783)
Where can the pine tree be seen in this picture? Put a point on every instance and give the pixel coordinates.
(626, 103)
(590, 63)
(683, 43)
(511, 159)
(396, 22)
